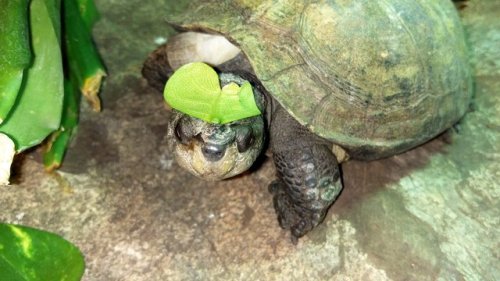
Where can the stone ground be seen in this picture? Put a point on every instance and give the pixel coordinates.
(429, 214)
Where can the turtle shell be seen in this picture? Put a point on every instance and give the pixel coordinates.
(375, 77)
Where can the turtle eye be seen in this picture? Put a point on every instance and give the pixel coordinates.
(244, 138)
(181, 134)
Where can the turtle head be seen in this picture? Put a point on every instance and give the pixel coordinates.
(215, 151)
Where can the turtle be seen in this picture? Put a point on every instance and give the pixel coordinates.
(334, 79)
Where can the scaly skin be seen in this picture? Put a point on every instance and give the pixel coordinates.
(308, 175)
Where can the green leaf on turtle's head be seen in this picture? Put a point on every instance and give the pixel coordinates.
(237, 103)
(231, 89)
(247, 100)
(194, 89)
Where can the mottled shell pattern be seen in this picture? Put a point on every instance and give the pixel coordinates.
(375, 77)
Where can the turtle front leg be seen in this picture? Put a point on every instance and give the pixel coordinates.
(308, 175)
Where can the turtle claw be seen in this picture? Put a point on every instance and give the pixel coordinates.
(291, 216)
(282, 204)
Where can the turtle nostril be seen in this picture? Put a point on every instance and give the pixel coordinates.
(213, 152)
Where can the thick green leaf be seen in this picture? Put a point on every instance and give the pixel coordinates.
(15, 52)
(54, 10)
(37, 111)
(194, 89)
(14, 31)
(29, 254)
(10, 83)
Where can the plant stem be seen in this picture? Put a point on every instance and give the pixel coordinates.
(82, 57)
(89, 12)
(60, 140)
(37, 110)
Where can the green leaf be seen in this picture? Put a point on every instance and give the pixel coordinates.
(14, 39)
(54, 10)
(10, 83)
(194, 89)
(15, 52)
(37, 111)
(29, 254)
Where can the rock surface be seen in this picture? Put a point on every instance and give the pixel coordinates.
(432, 213)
